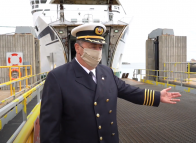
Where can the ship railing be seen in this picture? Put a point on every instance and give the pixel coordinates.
(13, 83)
(166, 76)
(9, 111)
(19, 75)
(27, 132)
(21, 104)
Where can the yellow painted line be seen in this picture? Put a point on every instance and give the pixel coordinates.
(189, 89)
(7, 83)
(16, 109)
(16, 100)
(5, 116)
(172, 85)
(3, 101)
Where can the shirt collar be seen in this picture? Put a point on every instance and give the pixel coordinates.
(88, 71)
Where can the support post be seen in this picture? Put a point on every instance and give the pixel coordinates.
(14, 91)
(24, 111)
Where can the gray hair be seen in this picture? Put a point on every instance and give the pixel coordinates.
(79, 41)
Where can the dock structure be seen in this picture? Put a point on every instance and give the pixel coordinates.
(166, 123)
(20, 48)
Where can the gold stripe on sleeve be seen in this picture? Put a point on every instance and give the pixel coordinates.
(153, 98)
(144, 97)
(150, 97)
(147, 98)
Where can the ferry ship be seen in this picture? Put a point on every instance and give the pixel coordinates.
(54, 20)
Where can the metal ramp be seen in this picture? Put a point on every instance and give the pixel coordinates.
(13, 125)
(164, 124)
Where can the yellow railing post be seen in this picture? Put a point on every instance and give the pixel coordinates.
(10, 80)
(26, 76)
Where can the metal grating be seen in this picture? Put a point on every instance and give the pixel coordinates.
(165, 124)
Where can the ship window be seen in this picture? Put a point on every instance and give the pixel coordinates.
(36, 6)
(37, 1)
(36, 28)
(33, 7)
(43, 1)
(36, 11)
(46, 9)
(32, 2)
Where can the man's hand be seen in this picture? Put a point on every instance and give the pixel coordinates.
(169, 97)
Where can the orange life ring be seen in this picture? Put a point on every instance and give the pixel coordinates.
(15, 70)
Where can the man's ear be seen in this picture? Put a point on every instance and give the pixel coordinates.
(77, 47)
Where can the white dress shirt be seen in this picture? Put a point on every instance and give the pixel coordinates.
(88, 71)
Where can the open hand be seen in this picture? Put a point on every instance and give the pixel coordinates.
(169, 97)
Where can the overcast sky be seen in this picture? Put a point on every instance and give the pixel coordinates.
(179, 15)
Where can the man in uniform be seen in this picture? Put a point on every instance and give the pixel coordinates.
(80, 98)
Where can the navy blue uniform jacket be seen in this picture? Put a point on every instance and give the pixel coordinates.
(76, 110)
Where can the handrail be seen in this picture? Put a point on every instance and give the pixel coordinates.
(14, 107)
(28, 127)
(167, 77)
(19, 74)
(19, 80)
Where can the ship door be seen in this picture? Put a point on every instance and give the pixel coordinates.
(72, 52)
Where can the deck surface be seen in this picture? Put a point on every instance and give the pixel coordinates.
(164, 124)
(143, 124)
(4, 94)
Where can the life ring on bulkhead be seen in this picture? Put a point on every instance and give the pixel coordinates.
(15, 70)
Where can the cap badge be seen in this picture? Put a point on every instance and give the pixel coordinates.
(99, 30)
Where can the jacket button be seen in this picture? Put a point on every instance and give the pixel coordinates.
(101, 138)
(110, 111)
(107, 100)
(113, 134)
(100, 127)
(98, 115)
(95, 103)
(112, 123)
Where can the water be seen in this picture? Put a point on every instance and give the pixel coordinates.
(130, 68)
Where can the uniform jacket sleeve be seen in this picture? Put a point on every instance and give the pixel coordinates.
(136, 95)
(51, 111)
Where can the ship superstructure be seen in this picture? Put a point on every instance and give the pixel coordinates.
(54, 20)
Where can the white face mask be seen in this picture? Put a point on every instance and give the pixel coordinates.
(91, 57)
